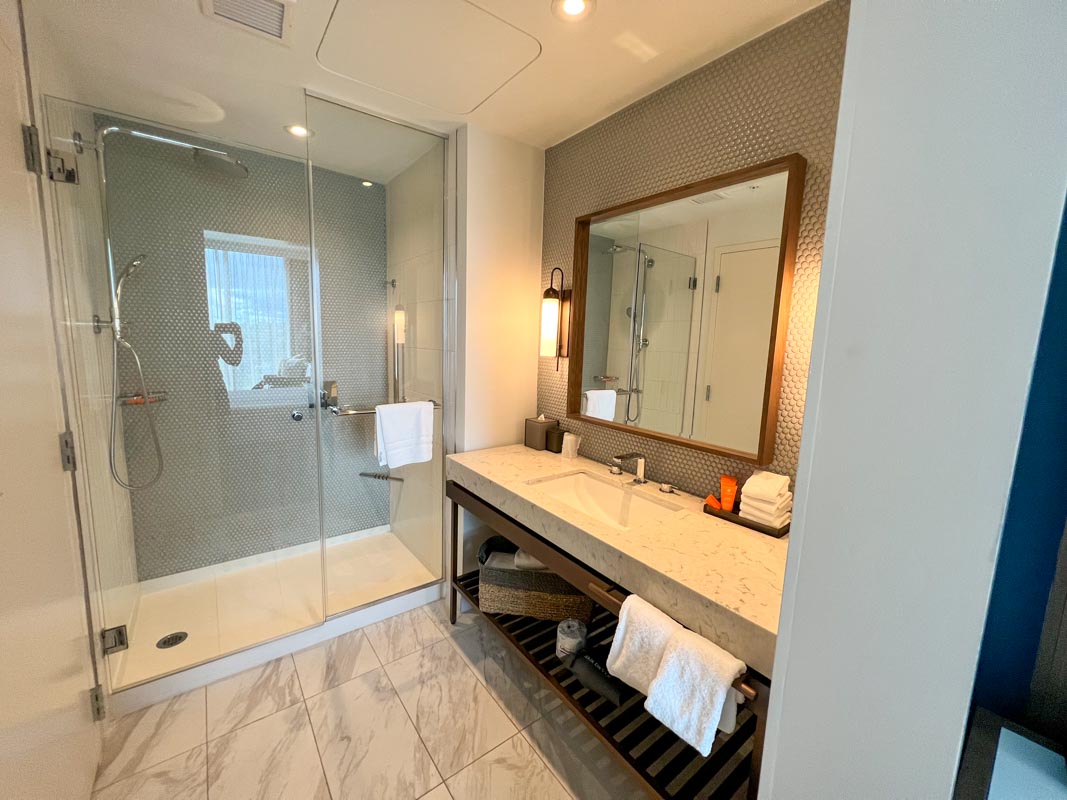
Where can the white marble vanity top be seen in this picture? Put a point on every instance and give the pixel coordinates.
(722, 580)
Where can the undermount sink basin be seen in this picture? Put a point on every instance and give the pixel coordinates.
(605, 499)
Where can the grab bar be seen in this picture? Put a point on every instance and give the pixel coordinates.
(348, 411)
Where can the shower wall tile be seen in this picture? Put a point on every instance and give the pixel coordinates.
(773, 96)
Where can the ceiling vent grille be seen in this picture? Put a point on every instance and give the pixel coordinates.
(269, 18)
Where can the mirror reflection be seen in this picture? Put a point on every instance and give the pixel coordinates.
(680, 307)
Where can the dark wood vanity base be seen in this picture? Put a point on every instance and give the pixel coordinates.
(664, 764)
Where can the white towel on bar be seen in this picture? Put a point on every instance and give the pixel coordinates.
(600, 403)
(766, 486)
(640, 639)
(691, 687)
(403, 433)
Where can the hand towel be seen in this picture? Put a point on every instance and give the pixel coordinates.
(691, 687)
(784, 503)
(640, 640)
(600, 403)
(524, 560)
(766, 485)
(770, 520)
(403, 433)
(728, 720)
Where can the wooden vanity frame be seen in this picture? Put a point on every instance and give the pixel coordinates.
(607, 595)
(795, 166)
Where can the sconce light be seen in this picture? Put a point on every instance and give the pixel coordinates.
(400, 324)
(555, 319)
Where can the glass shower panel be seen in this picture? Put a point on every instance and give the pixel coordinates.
(661, 343)
(210, 247)
(378, 221)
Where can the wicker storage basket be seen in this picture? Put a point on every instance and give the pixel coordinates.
(504, 589)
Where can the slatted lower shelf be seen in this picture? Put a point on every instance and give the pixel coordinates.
(669, 766)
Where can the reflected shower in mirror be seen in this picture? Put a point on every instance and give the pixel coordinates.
(684, 302)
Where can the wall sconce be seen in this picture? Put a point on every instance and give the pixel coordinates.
(555, 319)
(400, 324)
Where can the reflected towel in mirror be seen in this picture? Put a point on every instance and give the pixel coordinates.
(600, 403)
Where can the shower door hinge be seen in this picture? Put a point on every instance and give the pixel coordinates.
(717, 278)
(31, 147)
(62, 167)
(692, 282)
(114, 640)
(96, 703)
(66, 451)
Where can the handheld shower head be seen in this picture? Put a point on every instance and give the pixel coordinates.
(116, 306)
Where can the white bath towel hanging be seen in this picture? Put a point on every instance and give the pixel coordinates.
(691, 687)
(403, 433)
(640, 640)
(600, 403)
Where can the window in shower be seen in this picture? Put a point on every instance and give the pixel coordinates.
(249, 310)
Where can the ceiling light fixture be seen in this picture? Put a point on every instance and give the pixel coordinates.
(368, 183)
(299, 131)
(573, 10)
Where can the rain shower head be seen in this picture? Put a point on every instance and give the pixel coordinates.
(220, 162)
(619, 248)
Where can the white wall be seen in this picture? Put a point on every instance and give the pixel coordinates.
(948, 187)
(48, 743)
(500, 204)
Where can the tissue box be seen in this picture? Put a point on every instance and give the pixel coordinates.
(536, 429)
(505, 589)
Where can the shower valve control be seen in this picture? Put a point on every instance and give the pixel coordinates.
(297, 415)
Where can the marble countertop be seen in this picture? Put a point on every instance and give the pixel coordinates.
(717, 578)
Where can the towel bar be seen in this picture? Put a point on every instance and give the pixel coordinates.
(348, 411)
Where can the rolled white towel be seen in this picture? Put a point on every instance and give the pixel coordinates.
(784, 503)
(640, 639)
(766, 486)
(693, 684)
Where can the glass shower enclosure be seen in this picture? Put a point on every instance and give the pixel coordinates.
(232, 315)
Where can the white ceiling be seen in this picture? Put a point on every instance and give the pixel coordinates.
(525, 73)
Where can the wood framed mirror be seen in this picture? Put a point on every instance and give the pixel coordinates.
(680, 308)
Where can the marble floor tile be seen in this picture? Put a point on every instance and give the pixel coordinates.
(368, 745)
(271, 759)
(514, 684)
(151, 736)
(183, 777)
(456, 716)
(465, 620)
(579, 760)
(402, 635)
(251, 695)
(512, 770)
(334, 661)
(440, 793)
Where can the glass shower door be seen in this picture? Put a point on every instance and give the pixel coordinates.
(378, 222)
(210, 248)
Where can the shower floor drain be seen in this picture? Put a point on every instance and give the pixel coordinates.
(172, 640)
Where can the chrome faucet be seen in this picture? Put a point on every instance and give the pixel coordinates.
(618, 461)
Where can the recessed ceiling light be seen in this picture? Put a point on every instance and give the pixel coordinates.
(299, 131)
(368, 183)
(573, 10)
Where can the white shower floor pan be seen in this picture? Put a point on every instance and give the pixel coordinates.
(237, 604)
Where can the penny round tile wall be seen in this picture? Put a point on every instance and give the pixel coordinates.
(773, 96)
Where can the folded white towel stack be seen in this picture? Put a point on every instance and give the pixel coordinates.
(524, 560)
(640, 640)
(403, 433)
(600, 403)
(765, 498)
(692, 687)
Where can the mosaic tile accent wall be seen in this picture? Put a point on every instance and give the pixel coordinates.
(242, 477)
(773, 96)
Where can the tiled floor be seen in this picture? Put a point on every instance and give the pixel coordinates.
(238, 604)
(410, 707)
